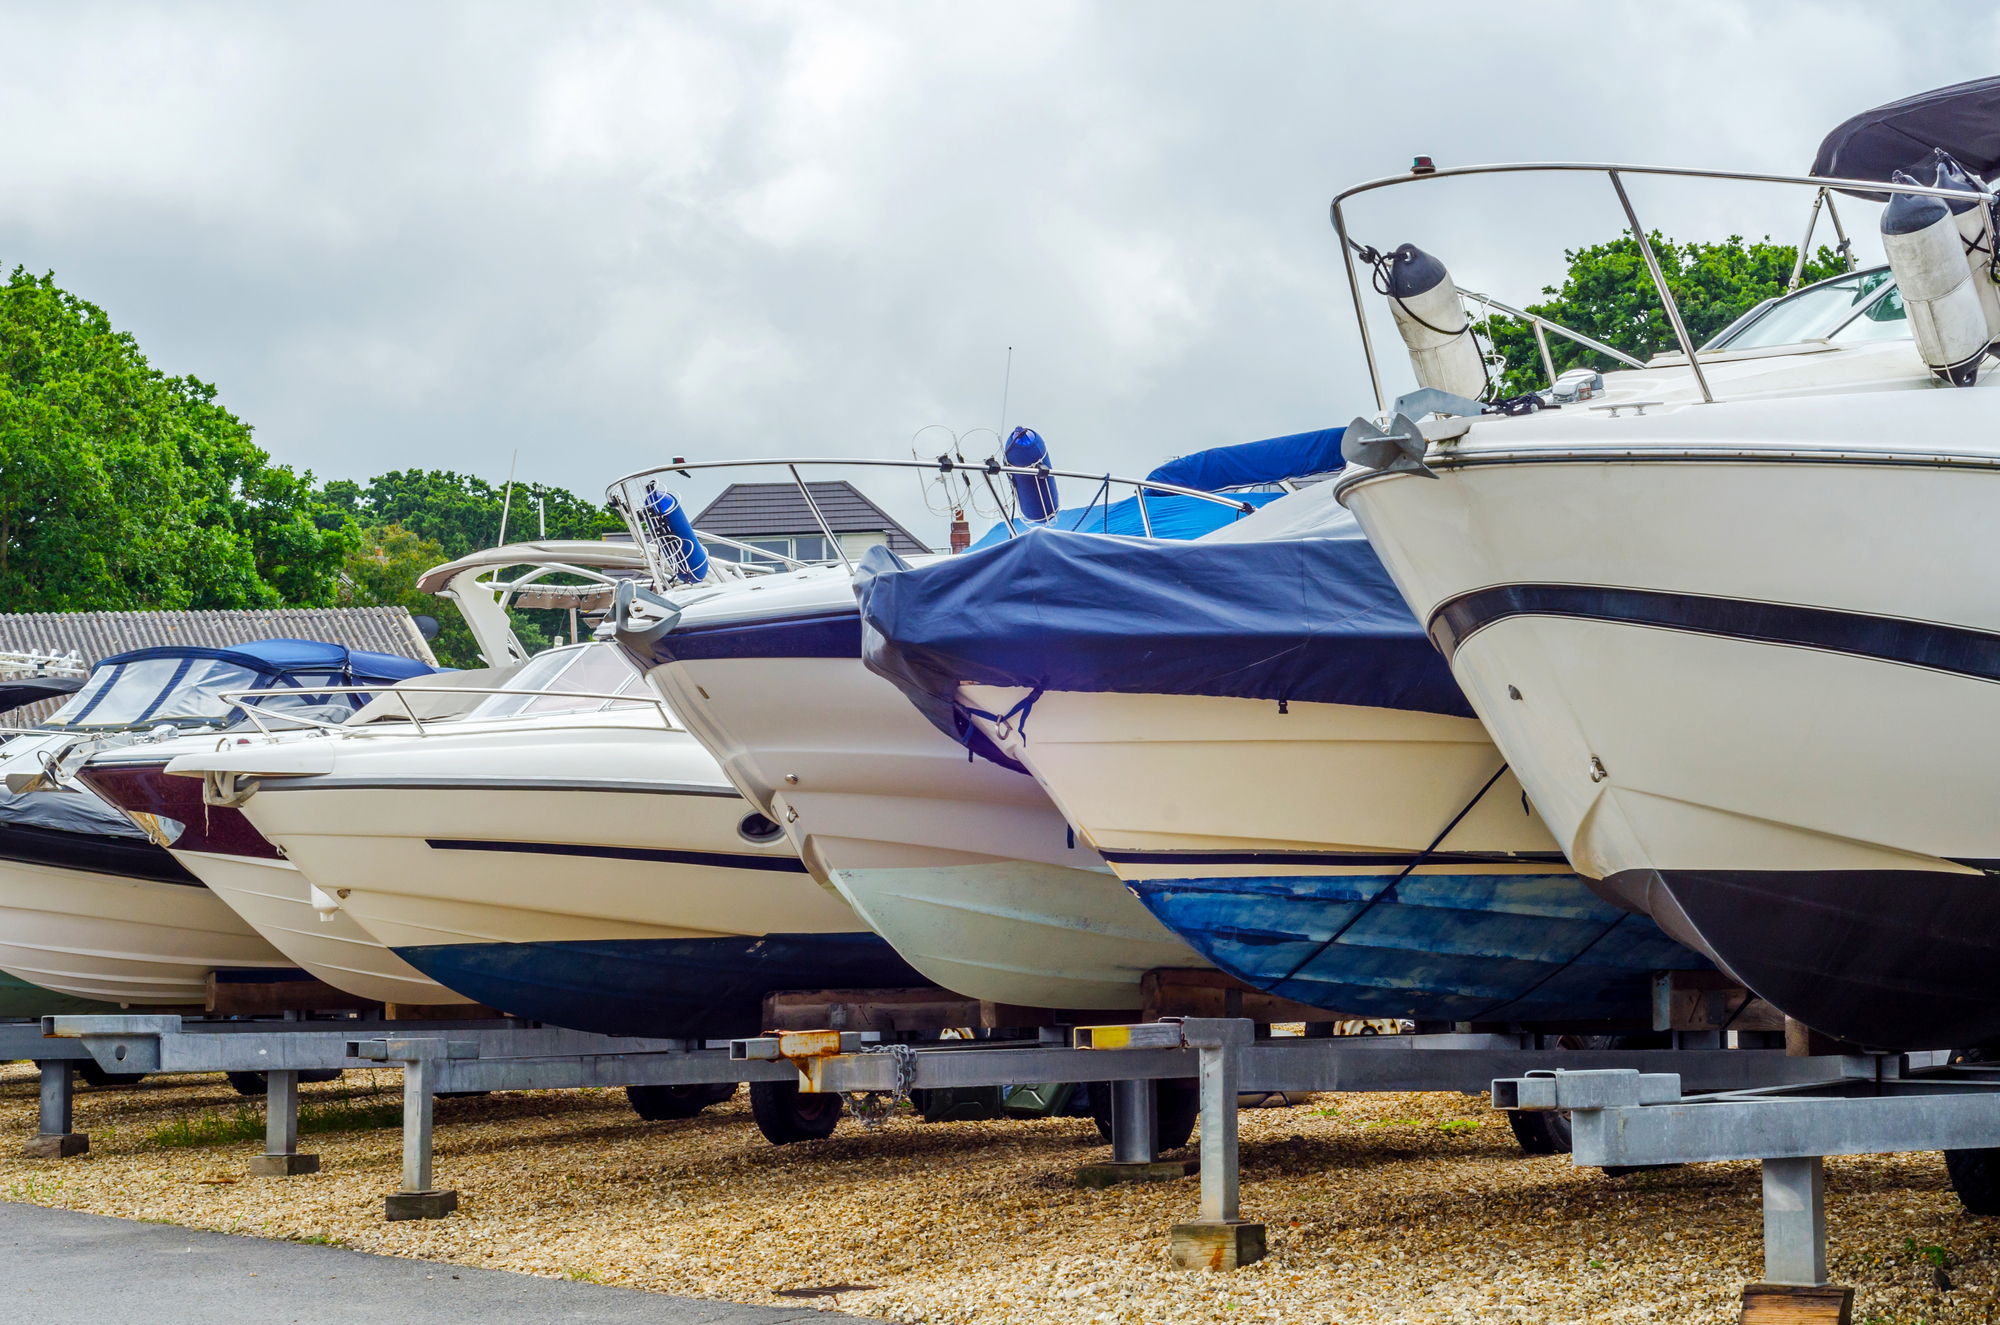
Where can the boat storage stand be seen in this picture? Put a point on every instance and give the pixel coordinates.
(54, 1139)
(1879, 1104)
(281, 1157)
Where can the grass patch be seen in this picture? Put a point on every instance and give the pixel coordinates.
(340, 1113)
(1457, 1125)
(582, 1275)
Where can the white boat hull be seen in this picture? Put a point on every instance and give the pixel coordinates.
(1753, 687)
(1306, 851)
(122, 940)
(586, 875)
(274, 897)
(912, 830)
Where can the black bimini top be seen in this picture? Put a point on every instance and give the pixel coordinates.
(1963, 120)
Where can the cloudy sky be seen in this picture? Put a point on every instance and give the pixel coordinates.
(432, 234)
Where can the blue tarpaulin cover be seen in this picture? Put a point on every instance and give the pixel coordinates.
(1173, 517)
(1312, 619)
(1255, 462)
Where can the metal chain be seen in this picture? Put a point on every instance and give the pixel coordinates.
(872, 1108)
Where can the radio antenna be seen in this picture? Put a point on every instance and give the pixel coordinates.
(508, 499)
(1006, 384)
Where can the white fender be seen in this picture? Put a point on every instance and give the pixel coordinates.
(1443, 352)
(1928, 257)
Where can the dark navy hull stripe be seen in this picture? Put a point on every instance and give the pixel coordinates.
(1939, 648)
(323, 783)
(835, 634)
(718, 859)
(1383, 860)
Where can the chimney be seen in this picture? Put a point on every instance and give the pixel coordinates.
(961, 533)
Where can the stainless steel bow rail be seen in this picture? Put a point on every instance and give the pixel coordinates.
(630, 503)
(1615, 173)
(1880, 1104)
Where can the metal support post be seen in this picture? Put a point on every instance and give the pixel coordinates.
(422, 1062)
(1135, 1114)
(1135, 1139)
(55, 1140)
(1795, 1221)
(281, 1157)
(1795, 1286)
(1220, 1239)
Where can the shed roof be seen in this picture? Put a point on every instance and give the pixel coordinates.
(763, 510)
(98, 635)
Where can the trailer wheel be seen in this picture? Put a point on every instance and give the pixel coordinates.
(659, 1103)
(1177, 1109)
(255, 1083)
(93, 1073)
(1540, 1131)
(1975, 1176)
(785, 1114)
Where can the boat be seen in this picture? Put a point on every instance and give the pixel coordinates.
(91, 905)
(221, 847)
(562, 851)
(1253, 732)
(1730, 620)
(962, 863)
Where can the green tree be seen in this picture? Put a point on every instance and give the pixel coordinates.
(462, 513)
(122, 488)
(412, 520)
(1609, 295)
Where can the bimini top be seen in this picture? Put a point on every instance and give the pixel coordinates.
(183, 683)
(1963, 119)
(1312, 619)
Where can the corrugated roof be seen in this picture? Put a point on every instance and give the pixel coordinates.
(768, 510)
(97, 635)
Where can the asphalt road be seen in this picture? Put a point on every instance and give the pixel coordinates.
(59, 1267)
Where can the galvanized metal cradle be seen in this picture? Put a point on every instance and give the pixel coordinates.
(1221, 1053)
(1876, 1104)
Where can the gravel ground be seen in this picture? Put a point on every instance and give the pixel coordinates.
(1380, 1208)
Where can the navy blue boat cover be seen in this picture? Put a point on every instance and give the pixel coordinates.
(1311, 619)
(1255, 462)
(1963, 119)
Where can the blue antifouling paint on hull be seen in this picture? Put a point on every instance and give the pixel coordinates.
(709, 989)
(1444, 947)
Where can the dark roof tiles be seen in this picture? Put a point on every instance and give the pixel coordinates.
(763, 510)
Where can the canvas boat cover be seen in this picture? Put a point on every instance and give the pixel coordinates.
(1176, 518)
(1305, 613)
(1963, 119)
(65, 812)
(1267, 461)
(183, 683)
(1213, 470)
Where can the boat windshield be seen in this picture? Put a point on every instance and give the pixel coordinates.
(1862, 305)
(184, 691)
(596, 668)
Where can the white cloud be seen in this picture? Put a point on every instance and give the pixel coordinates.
(607, 233)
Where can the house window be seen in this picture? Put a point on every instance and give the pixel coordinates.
(799, 547)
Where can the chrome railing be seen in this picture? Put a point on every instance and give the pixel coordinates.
(622, 496)
(1348, 247)
(256, 713)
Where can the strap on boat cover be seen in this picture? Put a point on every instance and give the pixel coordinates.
(1309, 619)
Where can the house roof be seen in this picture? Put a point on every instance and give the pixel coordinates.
(764, 510)
(98, 635)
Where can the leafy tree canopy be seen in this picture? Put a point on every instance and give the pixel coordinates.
(414, 519)
(123, 488)
(1609, 295)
